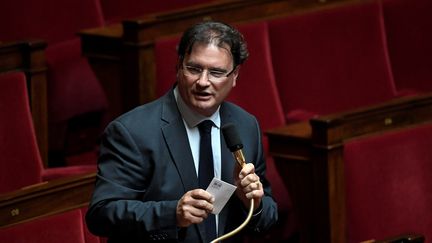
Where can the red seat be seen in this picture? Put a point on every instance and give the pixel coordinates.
(166, 61)
(388, 185)
(331, 60)
(73, 89)
(64, 227)
(408, 25)
(21, 163)
(118, 10)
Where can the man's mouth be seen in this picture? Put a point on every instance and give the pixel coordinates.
(202, 94)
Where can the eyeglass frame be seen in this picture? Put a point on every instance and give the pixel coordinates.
(187, 70)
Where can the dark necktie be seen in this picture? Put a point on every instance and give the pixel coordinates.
(206, 171)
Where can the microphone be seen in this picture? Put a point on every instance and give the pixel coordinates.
(234, 143)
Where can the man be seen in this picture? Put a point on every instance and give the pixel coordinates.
(150, 167)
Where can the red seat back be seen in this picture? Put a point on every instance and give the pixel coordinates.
(50, 20)
(388, 185)
(165, 61)
(408, 25)
(331, 60)
(73, 88)
(21, 163)
(117, 10)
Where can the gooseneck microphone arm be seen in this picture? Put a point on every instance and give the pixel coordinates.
(235, 145)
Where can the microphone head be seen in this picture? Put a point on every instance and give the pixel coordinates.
(232, 139)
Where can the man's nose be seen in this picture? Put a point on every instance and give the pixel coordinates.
(204, 78)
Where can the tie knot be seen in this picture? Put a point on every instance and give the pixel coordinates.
(205, 126)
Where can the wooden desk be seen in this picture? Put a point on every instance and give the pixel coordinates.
(45, 199)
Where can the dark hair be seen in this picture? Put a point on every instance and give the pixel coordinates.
(217, 33)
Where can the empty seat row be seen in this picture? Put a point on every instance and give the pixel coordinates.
(21, 164)
(73, 88)
(321, 62)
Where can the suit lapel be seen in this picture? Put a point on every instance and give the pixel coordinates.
(228, 164)
(177, 142)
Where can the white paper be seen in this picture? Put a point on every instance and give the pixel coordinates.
(222, 192)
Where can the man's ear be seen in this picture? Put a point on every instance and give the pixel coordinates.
(236, 74)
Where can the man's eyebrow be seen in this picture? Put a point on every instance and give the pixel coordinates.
(196, 65)
(218, 69)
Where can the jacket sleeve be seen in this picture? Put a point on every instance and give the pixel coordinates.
(267, 214)
(124, 174)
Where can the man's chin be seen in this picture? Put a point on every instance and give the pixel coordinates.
(204, 108)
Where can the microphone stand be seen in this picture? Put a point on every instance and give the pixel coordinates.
(238, 155)
(235, 231)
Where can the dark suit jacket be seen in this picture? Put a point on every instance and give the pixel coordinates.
(146, 166)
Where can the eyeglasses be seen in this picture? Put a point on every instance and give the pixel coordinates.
(213, 75)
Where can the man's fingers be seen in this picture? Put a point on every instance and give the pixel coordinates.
(201, 194)
(194, 207)
(247, 169)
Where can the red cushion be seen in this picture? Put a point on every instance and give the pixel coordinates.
(62, 172)
(388, 185)
(331, 60)
(408, 25)
(65, 228)
(20, 161)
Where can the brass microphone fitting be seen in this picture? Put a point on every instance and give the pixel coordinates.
(239, 157)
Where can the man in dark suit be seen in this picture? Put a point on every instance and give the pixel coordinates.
(148, 183)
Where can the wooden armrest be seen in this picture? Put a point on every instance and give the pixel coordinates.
(407, 238)
(46, 198)
(331, 130)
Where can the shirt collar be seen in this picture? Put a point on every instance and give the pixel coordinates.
(191, 117)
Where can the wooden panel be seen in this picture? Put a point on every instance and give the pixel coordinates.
(45, 199)
(333, 129)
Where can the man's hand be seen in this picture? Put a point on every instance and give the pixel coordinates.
(194, 207)
(248, 185)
